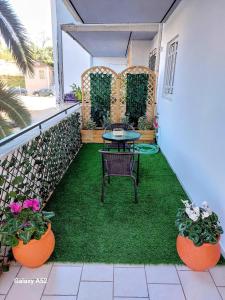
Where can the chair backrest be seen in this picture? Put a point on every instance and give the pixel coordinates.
(117, 163)
(119, 125)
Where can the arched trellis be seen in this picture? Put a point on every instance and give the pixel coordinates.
(118, 91)
(86, 90)
(151, 94)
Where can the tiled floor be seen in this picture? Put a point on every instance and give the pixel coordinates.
(111, 282)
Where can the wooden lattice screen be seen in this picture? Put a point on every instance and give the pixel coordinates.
(118, 91)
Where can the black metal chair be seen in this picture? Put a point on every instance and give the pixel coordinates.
(120, 164)
(115, 145)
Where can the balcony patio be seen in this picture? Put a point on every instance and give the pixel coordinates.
(119, 249)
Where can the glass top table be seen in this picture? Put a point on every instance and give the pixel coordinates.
(122, 140)
(128, 136)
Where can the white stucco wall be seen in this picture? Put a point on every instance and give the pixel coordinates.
(118, 64)
(139, 52)
(75, 61)
(192, 121)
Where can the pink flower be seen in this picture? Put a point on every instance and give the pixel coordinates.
(32, 203)
(36, 204)
(28, 203)
(155, 123)
(15, 208)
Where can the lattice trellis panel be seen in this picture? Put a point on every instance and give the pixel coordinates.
(151, 89)
(118, 92)
(34, 169)
(86, 98)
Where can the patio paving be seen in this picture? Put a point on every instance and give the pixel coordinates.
(112, 282)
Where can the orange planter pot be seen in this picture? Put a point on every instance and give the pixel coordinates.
(36, 252)
(198, 258)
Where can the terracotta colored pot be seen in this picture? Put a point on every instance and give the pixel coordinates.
(36, 252)
(198, 258)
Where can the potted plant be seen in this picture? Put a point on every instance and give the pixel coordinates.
(145, 127)
(199, 234)
(27, 229)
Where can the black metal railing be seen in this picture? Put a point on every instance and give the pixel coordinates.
(34, 168)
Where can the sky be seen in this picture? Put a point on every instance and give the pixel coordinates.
(35, 15)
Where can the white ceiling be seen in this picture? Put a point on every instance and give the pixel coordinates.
(115, 44)
(122, 11)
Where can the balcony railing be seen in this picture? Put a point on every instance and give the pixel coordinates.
(33, 161)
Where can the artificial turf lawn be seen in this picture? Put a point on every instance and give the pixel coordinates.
(119, 231)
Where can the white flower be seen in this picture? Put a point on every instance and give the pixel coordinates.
(186, 203)
(207, 211)
(205, 205)
(196, 210)
(205, 214)
(193, 213)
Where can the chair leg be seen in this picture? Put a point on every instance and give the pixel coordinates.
(135, 190)
(138, 169)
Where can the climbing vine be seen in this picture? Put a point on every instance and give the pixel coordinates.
(136, 96)
(100, 92)
(34, 169)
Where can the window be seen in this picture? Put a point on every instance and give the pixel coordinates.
(171, 57)
(41, 74)
(152, 60)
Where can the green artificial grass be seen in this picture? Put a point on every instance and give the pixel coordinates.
(119, 231)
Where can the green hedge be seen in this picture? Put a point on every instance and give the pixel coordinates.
(13, 81)
(136, 97)
(100, 96)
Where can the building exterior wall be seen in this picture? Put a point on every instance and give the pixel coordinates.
(42, 78)
(118, 64)
(192, 120)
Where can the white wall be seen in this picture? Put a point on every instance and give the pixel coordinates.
(118, 64)
(139, 52)
(75, 61)
(192, 126)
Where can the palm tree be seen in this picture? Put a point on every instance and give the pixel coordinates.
(12, 112)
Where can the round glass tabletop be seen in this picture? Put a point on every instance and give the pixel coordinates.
(126, 137)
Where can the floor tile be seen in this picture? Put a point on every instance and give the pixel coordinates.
(63, 281)
(182, 268)
(128, 266)
(198, 286)
(130, 282)
(218, 274)
(95, 291)
(34, 273)
(68, 264)
(165, 292)
(97, 272)
(222, 292)
(26, 290)
(162, 274)
(7, 279)
(59, 298)
(131, 298)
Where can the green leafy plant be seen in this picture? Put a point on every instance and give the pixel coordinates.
(144, 124)
(16, 39)
(136, 96)
(90, 125)
(106, 120)
(76, 91)
(125, 119)
(199, 224)
(100, 93)
(23, 221)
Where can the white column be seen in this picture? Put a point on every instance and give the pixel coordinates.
(58, 54)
